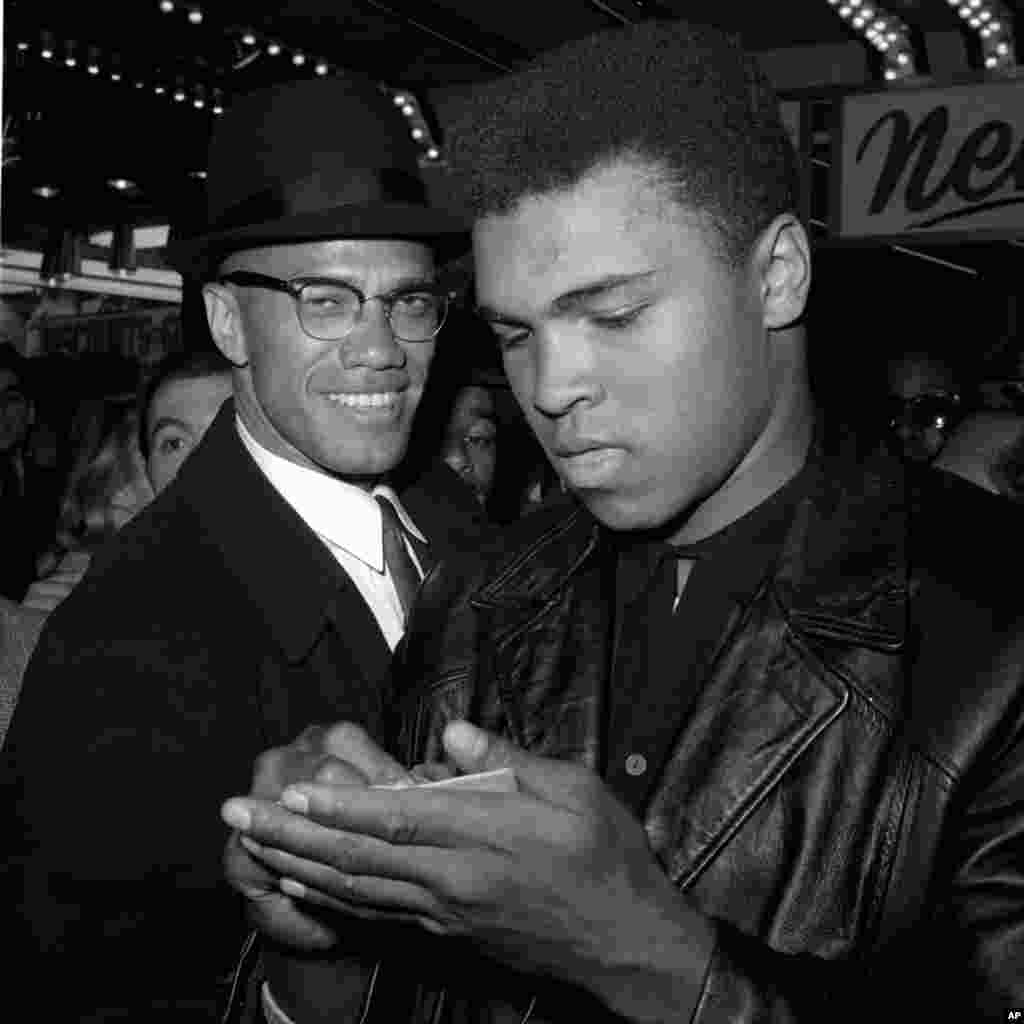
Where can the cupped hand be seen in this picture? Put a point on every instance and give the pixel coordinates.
(341, 755)
(558, 877)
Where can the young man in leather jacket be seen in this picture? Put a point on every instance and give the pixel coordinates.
(763, 707)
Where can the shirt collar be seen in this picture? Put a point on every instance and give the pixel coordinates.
(341, 513)
(742, 551)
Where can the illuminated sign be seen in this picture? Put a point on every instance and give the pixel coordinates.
(946, 162)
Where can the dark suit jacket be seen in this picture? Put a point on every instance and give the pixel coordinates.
(215, 626)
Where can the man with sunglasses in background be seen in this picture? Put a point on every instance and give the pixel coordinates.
(267, 586)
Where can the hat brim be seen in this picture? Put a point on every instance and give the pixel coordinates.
(447, 233)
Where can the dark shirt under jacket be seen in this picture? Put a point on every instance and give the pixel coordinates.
(662, 655)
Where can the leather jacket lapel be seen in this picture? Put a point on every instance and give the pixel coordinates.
(830, 619)
(765, 702)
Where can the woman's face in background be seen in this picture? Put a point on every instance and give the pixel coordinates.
(178, 417)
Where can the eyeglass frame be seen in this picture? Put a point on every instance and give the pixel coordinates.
(293, 287)
(947, 402)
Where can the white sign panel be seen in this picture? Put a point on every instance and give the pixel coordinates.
(937, 162)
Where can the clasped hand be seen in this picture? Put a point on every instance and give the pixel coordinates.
(557, 877)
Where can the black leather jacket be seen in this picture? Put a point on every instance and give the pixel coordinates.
(846, 801)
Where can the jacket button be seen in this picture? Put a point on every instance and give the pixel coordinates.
(636, 764)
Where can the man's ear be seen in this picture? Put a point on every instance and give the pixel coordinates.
(224, 318)
(783, 255)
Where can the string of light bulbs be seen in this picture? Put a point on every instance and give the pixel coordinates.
(993, 24)
(98, 64)
(255, 45)
(887, 33)
(203, 98)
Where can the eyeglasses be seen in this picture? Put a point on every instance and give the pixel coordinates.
(931, 409)
(329, 309)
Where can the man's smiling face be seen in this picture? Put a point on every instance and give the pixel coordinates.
(345, 407)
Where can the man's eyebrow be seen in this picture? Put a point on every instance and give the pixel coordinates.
(409, 282)
(577, 296)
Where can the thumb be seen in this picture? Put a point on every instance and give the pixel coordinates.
(475, 750)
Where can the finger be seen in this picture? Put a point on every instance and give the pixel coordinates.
(399, 901)
(278, 831)
(334, 772)
(349, 742)
(431, 771)
(425, 817)
(267, 906)
(280, 766)
(475, 750)
(246, 873)
(364, 911)
(345, 888)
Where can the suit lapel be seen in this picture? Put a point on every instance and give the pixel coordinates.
(290, 576)
(358, 628)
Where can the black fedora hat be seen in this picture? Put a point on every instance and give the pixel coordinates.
(310, 160)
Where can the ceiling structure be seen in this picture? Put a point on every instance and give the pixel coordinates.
(101, 110)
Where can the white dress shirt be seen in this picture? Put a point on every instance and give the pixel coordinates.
(348, 520)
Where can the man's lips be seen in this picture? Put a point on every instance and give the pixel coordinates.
(589, 464)
(569, 449)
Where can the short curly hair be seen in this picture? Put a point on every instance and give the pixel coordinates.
(685, 99)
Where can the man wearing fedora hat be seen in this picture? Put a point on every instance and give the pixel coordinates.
(263, 590)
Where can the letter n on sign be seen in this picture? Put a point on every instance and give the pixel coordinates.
(944, 163)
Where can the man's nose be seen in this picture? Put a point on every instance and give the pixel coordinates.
(564, 375)
(372, 342)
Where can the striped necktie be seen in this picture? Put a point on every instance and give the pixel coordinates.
(400, 565)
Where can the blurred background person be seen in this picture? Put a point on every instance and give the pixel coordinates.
(29, 487)
(925, 403)
(471, 441)
(106, 488)
(180, 401)
(141, 450)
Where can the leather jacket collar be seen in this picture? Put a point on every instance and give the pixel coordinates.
(841, 576)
